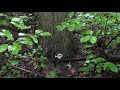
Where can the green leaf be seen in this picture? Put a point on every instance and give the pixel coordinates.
(118, 26)
(118, 39)
(25, 40)
(93, 39)
(19, 23)
(16, 19)
(3, 47)
(15, 24)
(85, 38)
(118, 16)
(43, 65)
(4, 23)
(13, 62)
(10, 48)
(89, 57)
(22, 26)
(2, 14)
(111, 66)
(86, 46)
(38, 31)
(60, 27)
(39, 47)
(98, 32)
(66, 24)
(109, 22)
(45, 34)
(52, 74)
(89, 68)
(16, 48)
(22, 34)
(98, 60)
(84, 69)
(87, 32)
(2, 34)
(42, 58)
(71, 29)
(8, 34)
(71, 14)
(34, 38)
(3, 67)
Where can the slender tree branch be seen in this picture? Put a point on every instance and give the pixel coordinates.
(22, 69)
(112, 39)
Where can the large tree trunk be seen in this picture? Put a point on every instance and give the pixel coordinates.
(59, 42)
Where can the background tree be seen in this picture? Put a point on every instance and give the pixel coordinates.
(59, 42)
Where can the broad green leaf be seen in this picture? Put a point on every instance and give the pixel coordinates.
(118, 39)
(103, 21)
(84, 69)
(65, 24)
(42, 58)
(14, 62)
(8, 34)
(10, 48)
(2, 34)
(89, 57)
(22, 26)
(103, 32)
(85, 38)
(86, 46)
(16, 48)
(43, 65)
(98, 60)
(98, 32)
(71, 29)
(60, 27)
(22, 34)
(3, 47)
(111, 66)
(4, 23)
(2, 14)
(45, 34)
(89, 68)
(25, 40)
(15, 19)
(3, 67)
(118, 16)
(15, 24)
(51, 74)
(34, 38)
(71, 14)
(93, 39)
(118, 26)
(38, 31)
(39, 47)
(109, 22)
(19, 23)
(85, 32)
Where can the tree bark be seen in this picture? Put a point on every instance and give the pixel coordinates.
(59, 42)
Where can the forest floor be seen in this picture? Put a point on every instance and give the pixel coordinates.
(28, 69)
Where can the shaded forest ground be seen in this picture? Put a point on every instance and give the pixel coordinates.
(64, 69)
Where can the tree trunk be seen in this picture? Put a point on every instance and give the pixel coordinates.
(59, 42)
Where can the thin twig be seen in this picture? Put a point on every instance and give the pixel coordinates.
(112, 39)
(22, 69)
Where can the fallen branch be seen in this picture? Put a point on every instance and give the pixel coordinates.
(73, 59)
(22, 69)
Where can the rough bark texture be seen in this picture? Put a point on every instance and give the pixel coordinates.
(59, 42)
